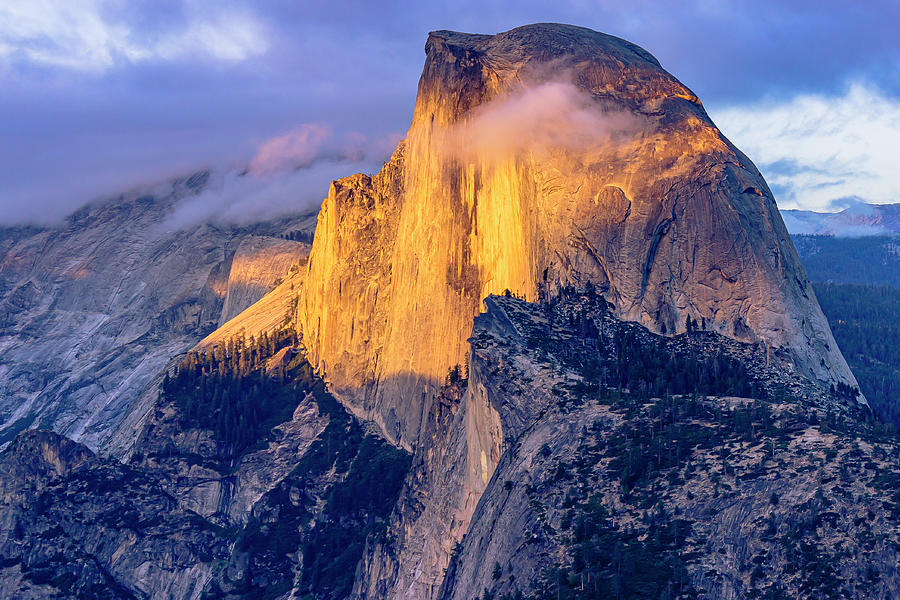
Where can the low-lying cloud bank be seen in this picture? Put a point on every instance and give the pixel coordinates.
(240, 197)
(819, 152)
(290, 174)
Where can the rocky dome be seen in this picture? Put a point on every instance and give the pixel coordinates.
(543, 157)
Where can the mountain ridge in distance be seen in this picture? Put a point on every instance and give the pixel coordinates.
(857, 220)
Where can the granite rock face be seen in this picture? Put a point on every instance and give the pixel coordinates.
(93, 309)
(538, 471)
(189, 516)
(276, 309)
(771, 506)
(649, 397)
(76, 525)
(259, 263)
(690, 496)
(195, 468)
(546, 156)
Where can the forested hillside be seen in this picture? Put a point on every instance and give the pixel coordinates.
(857, 282)
(872, 260)
(865, 320)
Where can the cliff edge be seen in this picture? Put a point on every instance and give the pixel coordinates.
(547, 156)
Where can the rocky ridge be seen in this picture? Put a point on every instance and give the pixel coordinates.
(92, 310)
(481, 486)
(76, 525)
(712, 496)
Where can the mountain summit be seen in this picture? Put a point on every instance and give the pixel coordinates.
(544, 157)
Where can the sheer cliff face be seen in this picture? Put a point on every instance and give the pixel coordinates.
(546, 156)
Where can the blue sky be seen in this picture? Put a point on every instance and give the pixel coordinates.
(102, 95)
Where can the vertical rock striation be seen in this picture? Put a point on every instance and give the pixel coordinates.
(546, 156)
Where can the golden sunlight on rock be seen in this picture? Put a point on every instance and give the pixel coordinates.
(276, 309)
(529, 175)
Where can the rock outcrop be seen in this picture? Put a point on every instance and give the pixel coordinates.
(276, 309)
(546, 156)
(193, 516)
(92, 310)
(259, 264)
(75, 525)
(704, 495)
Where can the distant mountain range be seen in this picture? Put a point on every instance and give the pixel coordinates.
(857, 245)
(858, 220)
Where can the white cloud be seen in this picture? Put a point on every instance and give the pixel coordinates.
(555, 113)
(816, 151)
(94, 35)
(290, 174)
(242, 197)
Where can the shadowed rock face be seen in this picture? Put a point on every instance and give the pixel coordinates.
(78, 526)
(546, 156)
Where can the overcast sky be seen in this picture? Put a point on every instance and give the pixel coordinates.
(101, 95)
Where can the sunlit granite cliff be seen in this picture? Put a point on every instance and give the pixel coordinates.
(545, 156)
(567, 298)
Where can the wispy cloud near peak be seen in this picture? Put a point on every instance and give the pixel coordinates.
(296, 148)
(290, 174)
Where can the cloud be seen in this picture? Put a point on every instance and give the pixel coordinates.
(102, 95)
(556, 115)
(816, 150)
(239, 197)
(312, 142)
(290, 174)
(296, 148)
(95, 35)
